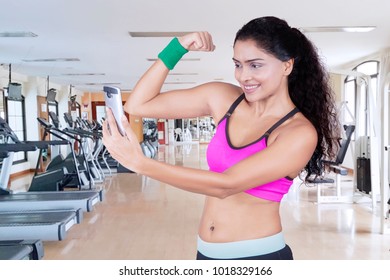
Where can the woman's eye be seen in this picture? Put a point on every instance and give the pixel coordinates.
(256, 66)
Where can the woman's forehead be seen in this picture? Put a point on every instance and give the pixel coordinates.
(249, 50)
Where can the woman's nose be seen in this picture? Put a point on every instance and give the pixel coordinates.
(244, 74)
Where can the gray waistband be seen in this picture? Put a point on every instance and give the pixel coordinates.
(241, 249)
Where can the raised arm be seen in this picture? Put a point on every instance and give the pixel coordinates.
(146, 99)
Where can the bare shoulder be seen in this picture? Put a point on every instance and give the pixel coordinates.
(296, 140)
(301, 130)
(221, 96)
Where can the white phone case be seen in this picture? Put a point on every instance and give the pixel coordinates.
(113, 99)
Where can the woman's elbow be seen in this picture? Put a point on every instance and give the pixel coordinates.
(130, 109)
(224, 192)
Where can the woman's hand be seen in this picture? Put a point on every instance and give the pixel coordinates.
(197, 41)
(125, 149)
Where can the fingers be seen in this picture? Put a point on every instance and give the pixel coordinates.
(106, 133)
(120, 147)
(129, 131)
(131, 136)
(205, 42)
(105, 128)
(111, 126)
(198, 41)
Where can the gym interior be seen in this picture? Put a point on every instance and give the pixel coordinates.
(73, 201)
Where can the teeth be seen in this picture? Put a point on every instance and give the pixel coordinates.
(250, 87)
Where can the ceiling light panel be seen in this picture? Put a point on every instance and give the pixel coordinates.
(17, 34)
(52, 60)
(183, 59)
(337, 29)
(100, 84)
(84, 74)
(179, 83)
(157, 34)
(183, 74)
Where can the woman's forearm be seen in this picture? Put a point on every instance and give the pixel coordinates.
(127, 151)
(189, 179)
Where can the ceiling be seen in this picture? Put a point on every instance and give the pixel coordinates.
(96, 34)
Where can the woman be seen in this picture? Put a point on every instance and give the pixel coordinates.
(277, 123)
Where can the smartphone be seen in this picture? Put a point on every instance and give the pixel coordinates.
(113, 99)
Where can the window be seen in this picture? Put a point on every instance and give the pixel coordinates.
(2, 115)
(16, 120)
(356, 99)
(2, 108)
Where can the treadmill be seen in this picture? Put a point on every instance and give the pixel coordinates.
(75, 136)
(46, 225)
(84, 200)
(21, 250)
(40, 215)
(9, 201)
(42, 200)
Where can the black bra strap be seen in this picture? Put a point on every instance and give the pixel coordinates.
(268, 132)
(282, 120)
(234, 105)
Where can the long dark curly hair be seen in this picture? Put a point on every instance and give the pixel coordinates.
(308, 83)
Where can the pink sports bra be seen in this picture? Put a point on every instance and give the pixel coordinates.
(221, 155)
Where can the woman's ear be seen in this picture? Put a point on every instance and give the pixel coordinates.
(288, 66)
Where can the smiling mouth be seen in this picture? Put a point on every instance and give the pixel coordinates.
(251, 87)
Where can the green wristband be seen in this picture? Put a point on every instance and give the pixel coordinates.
(172, 53)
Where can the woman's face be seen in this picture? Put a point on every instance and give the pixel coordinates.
(260, 74)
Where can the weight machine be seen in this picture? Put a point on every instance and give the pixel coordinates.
(366, 179)
(376, 145)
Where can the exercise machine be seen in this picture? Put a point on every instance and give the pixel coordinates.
(11, 144)
(335, 167)
(31, 224)
(46, 225)
(36, 215)
(10, 201)
(73, 165)
(88, 141)
(366, 177)
(21, 250)
(149, 144)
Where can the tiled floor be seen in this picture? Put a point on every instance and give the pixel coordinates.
(141, 218)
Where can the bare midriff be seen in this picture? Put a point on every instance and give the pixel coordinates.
(239, 217)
